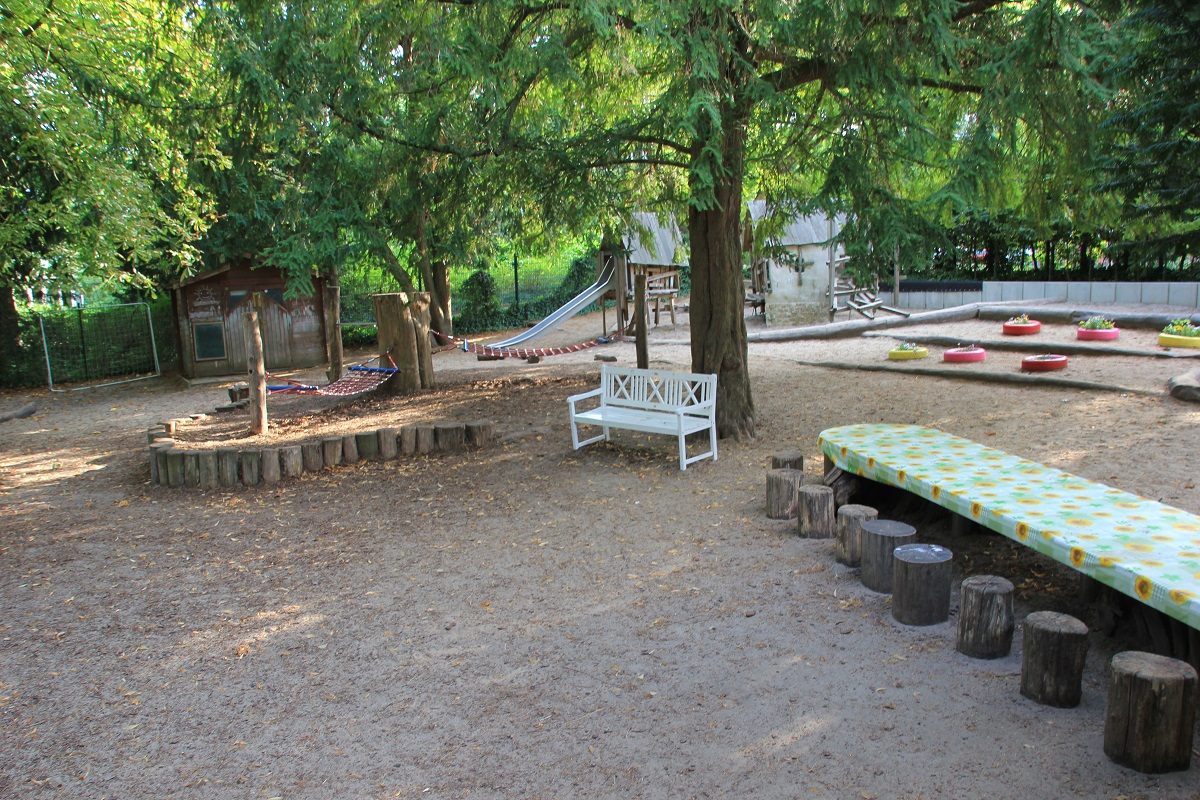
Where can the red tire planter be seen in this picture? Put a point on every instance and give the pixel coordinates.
(964, 355)
(1022, 328)
(1046, 363)
(1097, 334)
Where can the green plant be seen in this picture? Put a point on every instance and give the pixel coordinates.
(909, 346)
(1097, 323)
(1023, 319)
(1181, 327)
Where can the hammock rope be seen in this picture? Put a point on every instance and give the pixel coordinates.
(356, 380)
(468, 346)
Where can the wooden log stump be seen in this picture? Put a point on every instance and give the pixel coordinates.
(169, 426)
(1151, 714)
(450, 436)
(251, 461)
(291, 460)
(480, 433)
(985, 617)
(227, 466)
(788, 459)
(781, 492)
(209, 472)
(408, 439)
(844, 485)
(175, 467)
(331, 451)
(313, 456)
(270, 469)
(426, 438)
(815, 512)
(350, 454)
(155, 432)
(847, 546)
(160, 457)
(879, 539)
(397, 340)
(191, 468)
(366, 444)
(1052, 660)
(921, 584)
(386, 443)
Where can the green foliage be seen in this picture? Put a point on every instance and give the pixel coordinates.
(1182, 327)
(1097, 323)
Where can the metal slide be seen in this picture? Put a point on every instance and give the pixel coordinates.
(606, 281)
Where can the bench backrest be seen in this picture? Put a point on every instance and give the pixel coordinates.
(655, 389)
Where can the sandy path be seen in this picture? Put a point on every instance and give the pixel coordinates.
(532, 621)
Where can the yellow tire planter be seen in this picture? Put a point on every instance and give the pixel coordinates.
(897, 354)
(1171, 340)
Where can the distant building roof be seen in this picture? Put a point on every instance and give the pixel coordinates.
(800, 231)
(655, 240)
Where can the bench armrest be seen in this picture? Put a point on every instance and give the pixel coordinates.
(577, 397)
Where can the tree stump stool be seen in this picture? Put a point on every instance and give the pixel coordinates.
(1052, 659)
(209, 473)
(921, 584)
(408, 439)
(781, 492)
(426, 438)
(1151, 712)
(311, 455)
(450, 436)
(367, 445)
(251, 466)
(815, 512)
(847, 546)
(480, 433)
(879, 539)
(191, 468)
(985, 617)
(788, 459)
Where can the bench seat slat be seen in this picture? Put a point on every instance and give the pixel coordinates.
(635, 419)
(1140, 547)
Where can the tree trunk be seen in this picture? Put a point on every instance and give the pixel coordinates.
(718, 297)
(333, 330)
(10, 330)
(439, 290)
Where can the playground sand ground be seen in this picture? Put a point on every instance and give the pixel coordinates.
(530, 621)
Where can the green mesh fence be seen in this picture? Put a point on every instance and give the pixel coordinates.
(94, 343)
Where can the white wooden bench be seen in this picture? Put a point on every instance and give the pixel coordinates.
(651, 401)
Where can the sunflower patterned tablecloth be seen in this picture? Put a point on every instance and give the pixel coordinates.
(1137, 546)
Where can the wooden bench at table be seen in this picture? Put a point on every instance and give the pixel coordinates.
(650, 401)
(1139, 547)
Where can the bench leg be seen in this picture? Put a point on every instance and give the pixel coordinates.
(682, 453)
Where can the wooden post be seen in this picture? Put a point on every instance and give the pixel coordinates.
(291, 460)
(1052, 659)
(480, 433)
(408, 439)
(394, 326)
(847, 546)
(175, 467)
(251, 466)
(418, 309)
(642, 345)
(350, 448)
(921, 584)
(880, 538)
(191, 468)
(450, 436)
(269, 470)
(333, 328)
(1151, 712)
(367, 445)
(311, 454)
(255, 366)
(160, 451)
(331, 451)
(781, 492)
(788, 459)
(985, 617)
(227, 466)
(815, 512)
(387, 443)
(209, 474)
(426, 438)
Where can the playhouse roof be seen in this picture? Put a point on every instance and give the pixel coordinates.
(800, 231)
(655, 240)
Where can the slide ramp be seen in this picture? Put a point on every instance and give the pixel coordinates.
(591, 294)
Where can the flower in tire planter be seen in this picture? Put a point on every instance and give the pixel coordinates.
(1021, 326)
(907, 352)
(1043, 363)
(1097, 329)
(964, 354)
(1180, 333)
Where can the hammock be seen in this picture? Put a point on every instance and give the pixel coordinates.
(356, 380)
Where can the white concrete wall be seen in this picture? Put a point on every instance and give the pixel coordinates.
(1173, 294)
(799, 297)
